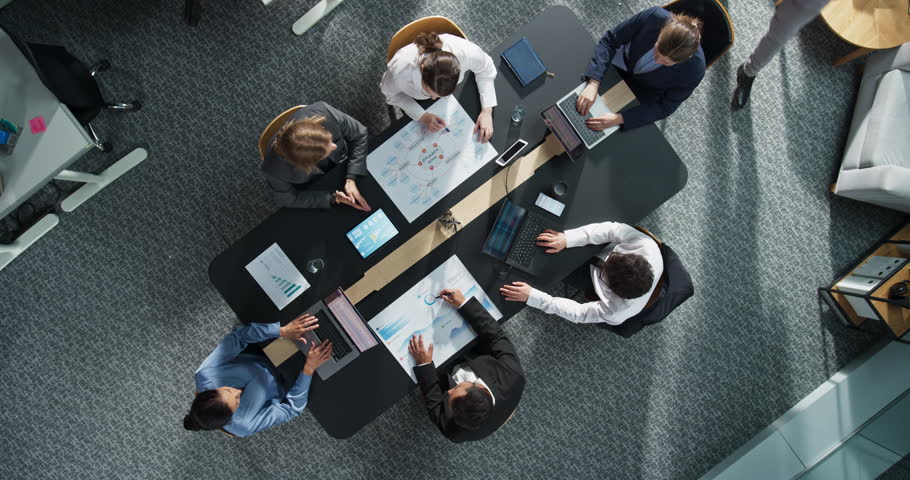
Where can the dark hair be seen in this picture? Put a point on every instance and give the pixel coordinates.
(628, 275)
(208, 412)
(680, 37)
(438, 69)
(472, 409)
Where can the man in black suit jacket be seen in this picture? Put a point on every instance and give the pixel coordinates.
(477, 396)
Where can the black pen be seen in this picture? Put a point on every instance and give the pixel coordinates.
(443, 295)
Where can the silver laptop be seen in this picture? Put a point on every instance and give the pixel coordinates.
(567, 107)
(340, 323)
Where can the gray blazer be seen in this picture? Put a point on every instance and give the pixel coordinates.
(288, 183)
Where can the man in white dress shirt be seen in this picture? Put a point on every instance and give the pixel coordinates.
(631, 267)
(439, 61)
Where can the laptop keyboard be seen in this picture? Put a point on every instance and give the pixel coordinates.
(327, 331)
(578, 121)
(522, 253)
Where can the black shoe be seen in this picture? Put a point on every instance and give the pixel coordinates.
(743, 89)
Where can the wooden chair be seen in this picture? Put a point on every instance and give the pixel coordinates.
(273, 127)
(717, 29)
(409, 32)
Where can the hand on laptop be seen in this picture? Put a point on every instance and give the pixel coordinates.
(586, 97)
(420, 353)
(453, 297)
(433, 123)
(606, 120)
(317, 355)
(484, 126)
(553, 241)
(516, 292)
(298, 326)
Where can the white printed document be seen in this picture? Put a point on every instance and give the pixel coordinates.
(417, 167)
(419, 312)
(277, 276)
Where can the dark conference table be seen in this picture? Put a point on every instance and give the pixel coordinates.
(623, 179)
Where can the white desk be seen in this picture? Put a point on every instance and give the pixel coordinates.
(38, 158)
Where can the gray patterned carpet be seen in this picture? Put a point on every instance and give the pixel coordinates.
(105, 319)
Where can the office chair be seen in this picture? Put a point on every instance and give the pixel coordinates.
(73, 84)
(272, 128)
(673, 288)
(717, 29)
(406, 35)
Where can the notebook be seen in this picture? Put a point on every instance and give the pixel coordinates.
(524, 61)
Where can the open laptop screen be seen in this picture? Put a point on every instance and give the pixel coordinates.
(344, 311)
(558, 124)
(507, 225)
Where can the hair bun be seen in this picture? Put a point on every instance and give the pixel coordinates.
(428, 42)
(190, 423)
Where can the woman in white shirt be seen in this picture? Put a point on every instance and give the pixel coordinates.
(430, 68)
(631, 266)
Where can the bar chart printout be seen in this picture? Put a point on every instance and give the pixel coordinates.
(419, 312)
(277, 276)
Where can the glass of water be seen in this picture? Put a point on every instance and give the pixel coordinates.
(518, 113)
(315, 265)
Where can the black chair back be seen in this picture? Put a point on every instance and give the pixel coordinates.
(677, 289)
(717, 29)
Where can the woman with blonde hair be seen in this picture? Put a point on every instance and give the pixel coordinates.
(430, 68)
(314, 140)
(659, 55)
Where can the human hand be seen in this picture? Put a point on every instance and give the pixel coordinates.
(516, 292)
(350, 188)
(484, 126)
(586, 97)
(433, 123)
(551, 239)
(420, 353)
(606, 120)
(453, 297)
(298, 326)
(317, 355)
(343, 198)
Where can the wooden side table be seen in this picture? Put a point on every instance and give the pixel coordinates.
(893, 316)
(869, 24)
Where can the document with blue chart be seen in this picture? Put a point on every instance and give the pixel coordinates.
(277, 276)
(372, 233)
(417, 167)
(419, 312)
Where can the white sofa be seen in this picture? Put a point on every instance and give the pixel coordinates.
(876, 165)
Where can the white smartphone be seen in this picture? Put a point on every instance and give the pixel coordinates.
(550, 204)
(511, 153)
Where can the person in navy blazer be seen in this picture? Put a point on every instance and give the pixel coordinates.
(659, 55)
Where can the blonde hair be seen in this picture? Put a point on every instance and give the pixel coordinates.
(303, 143)
(679, 38)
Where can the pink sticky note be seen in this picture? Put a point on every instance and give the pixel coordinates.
(37, 125)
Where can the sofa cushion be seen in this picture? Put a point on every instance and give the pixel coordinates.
(887, 141)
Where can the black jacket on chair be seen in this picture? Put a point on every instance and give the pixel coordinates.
(495, 363)
(677, 289)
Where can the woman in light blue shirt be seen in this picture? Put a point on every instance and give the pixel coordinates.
(239, 393)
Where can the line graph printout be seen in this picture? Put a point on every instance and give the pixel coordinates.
(419, 312)
(417, 167)
(277, 276)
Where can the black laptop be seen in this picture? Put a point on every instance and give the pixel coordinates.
(564, 132)
(340, 323)
(513, 239)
